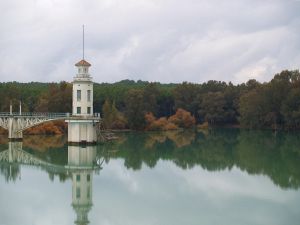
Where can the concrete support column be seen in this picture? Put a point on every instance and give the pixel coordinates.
(82, 131)
(13, 128)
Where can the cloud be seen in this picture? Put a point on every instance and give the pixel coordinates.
(166, 41)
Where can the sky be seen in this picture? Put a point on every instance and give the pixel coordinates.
(168, 41)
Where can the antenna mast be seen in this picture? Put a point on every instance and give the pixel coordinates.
(82, 41)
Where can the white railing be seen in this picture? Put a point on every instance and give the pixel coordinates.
(47, 115)
(83, 77)
(85, 116)
(34, 114)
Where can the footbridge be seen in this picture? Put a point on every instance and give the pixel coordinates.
(16, 123)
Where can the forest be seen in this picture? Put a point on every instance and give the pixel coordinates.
(141, 105)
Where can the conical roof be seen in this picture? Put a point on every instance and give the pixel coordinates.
(83, 63)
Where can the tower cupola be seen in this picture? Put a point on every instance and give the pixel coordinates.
(83, 68)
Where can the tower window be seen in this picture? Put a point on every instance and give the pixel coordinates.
(88, 193)
(88, 177)
(78, 95)
(78, 177)
(89, 95)
(77, 192)
(88, 110)
(78, 110)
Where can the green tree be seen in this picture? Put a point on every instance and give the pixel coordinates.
(151, 93)
(135, 109)
(213, 107)
(252, 108)
(290, 109)
(185, 97)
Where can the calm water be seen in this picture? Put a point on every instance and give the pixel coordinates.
(213, 177)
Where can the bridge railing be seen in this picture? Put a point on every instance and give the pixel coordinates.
(47, 115)
(34, 114)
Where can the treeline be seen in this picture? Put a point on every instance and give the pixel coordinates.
(143, 105)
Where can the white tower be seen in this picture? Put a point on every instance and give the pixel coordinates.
(83, 90)
(82, 125)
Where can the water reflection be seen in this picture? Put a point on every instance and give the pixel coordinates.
(174, 178)
(9, 166)
(82, 163)
(256, 152)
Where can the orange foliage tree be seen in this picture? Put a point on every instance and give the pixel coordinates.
(182, 118)
(158, 124)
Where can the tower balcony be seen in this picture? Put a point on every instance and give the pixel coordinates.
(83, 116)
(83, 77)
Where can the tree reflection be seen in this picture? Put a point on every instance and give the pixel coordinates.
(256, 152)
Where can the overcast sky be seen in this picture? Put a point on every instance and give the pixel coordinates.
(152, 40)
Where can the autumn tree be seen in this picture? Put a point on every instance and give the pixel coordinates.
(112, 118)
(182, 118)
(58, 98)
(158, 124)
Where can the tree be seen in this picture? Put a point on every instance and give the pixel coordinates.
(185, 97)
(182, 118)
(58, 98)
(231, 95)
(290, 109)
(151, 93)
(158, 124)
(106, 114)
(213, 107)
(252, 109)
(112, 118)
(135, 109)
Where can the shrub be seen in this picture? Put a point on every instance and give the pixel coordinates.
(182, 118)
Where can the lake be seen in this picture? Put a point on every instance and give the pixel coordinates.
(219, 176)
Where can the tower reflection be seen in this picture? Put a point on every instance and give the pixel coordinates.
(82, 163)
